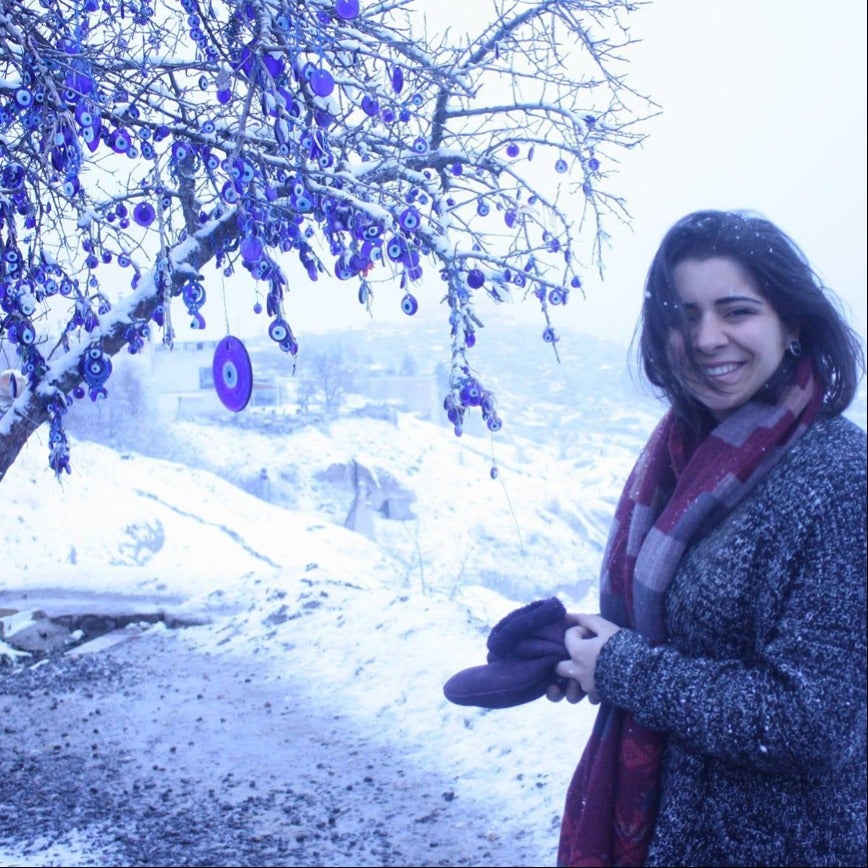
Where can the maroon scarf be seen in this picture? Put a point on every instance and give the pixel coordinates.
(679, 489)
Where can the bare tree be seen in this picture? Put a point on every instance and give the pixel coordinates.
(143, 140)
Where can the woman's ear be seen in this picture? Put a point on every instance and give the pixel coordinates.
(793, 344)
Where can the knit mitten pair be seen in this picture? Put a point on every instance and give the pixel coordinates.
(523, 649)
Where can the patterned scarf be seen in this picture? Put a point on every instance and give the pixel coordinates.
(680, 488)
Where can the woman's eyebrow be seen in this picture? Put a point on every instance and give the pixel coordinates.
(729, 299)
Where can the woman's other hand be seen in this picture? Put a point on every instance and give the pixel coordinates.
(583, 643)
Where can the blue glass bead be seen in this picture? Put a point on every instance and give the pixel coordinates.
(251, 249)
(274, 64)
(409, 219)
(279, 330)
(475, 278)
(119, 140)
(322, 83)
(343, 269)
(471, 393)
(12, 176)
(395, 248)
(409, 305)
(397, 79)
(144, 214)
(347, 9)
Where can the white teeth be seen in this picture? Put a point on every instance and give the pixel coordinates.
(720, 370)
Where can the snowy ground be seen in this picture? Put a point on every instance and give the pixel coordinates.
(321, 642)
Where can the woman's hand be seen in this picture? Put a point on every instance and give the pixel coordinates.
(583, 642)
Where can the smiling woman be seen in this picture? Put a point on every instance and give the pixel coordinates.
(729, 656)
(737, 339)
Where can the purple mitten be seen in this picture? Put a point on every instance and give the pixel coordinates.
(523, 650)
(502, 683)
(524, 623)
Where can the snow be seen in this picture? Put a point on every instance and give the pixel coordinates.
(411, 606)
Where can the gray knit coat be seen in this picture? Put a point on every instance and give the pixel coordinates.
(761, 685)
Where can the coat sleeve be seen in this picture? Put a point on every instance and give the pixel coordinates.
(802, 697)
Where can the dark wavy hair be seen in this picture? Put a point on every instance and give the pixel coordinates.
(783, 276)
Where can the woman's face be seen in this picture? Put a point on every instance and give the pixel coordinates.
(738, 338)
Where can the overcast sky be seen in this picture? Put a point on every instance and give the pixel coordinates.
(763, 107)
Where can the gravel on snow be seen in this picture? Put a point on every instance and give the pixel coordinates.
(156, 753)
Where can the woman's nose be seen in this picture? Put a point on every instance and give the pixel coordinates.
(708, 334)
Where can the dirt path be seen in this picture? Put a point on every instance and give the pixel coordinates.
(152, 752)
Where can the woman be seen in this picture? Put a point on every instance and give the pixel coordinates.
(729, 658)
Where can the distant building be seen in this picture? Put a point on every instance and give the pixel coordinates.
(183, 375)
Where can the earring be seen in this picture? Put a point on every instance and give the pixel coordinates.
(794, 348)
